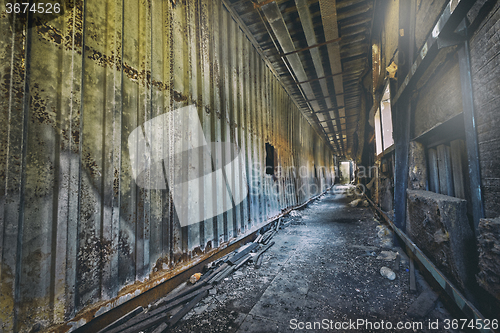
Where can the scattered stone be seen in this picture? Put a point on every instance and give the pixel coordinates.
(385, 235)
(387, 255)
(212, 291)
(221, 298)
(388, 273)
(355, 203)
(200, 309)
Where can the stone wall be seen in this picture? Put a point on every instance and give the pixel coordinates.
(439, 226)
(489, 256)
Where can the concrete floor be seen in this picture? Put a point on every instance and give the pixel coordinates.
(323, 268)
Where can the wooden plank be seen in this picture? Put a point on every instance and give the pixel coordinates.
(433, 171)
(397, 262)
(156, 316)
(170, 298)
(242, 253)
(122, 319)
(445, 172)
(217, 272)
(176, 317)
(413, 285)
(242, 262)
(457, 150)
(224, 274)
(161, 328)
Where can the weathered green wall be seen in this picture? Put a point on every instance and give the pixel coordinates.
(76, 231)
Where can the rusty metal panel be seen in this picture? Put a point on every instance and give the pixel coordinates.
(80, 234)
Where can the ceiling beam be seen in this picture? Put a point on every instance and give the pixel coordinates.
(311, 47)
(310, 34)
(354, 12)
(320, 78)
(329, 18)
(292, 61)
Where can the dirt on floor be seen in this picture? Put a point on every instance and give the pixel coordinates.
(322, 274)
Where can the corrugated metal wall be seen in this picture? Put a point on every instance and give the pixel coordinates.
(75, 228)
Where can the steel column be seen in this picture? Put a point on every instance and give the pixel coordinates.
(470, 133)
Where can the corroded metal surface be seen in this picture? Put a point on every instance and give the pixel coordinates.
(332, 88)
(77, 232)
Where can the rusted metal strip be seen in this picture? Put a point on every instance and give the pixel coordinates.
(263, 3)
(332, 109)
(321, 78)
(322, 98)
(352, 115)
(311, 47)
(463, 304)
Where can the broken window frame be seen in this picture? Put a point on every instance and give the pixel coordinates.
(378, 133)
(384, 139)
(386, 118)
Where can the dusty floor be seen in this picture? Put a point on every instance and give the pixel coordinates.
(323, 268)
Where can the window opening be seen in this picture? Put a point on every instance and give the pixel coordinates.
(385, 107)
(269, 159)
(378, 133)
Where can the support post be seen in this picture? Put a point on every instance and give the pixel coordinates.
(402, 141)
(470, 133)
(402, 121)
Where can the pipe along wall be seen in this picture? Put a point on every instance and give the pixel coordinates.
(91, 166)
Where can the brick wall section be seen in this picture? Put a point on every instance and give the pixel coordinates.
(485, 61)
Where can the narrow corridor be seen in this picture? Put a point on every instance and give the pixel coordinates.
(324, 267)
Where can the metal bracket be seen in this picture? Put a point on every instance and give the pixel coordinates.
(457, 37)
(449, 41)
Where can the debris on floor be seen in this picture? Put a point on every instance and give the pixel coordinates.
(388, 273)
(387, 255)
(168, 311)
(324, 267)
(355, 202)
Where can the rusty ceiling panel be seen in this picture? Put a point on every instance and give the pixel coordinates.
(307, 23)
